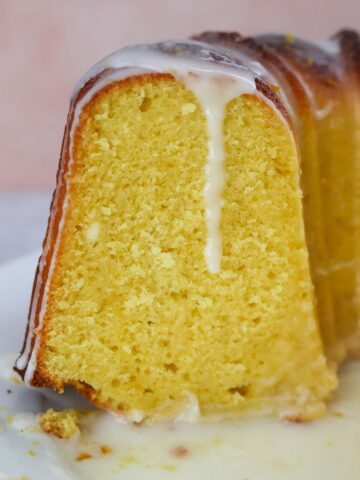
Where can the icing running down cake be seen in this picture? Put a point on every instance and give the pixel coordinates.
(202, 246)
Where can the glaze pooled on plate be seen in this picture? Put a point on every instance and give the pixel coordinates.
(253, 449)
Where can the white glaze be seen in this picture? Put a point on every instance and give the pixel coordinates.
(214, 93)
(253, 448)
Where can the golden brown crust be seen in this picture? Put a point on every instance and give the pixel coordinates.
(90, 394)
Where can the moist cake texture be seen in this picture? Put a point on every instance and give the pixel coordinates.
(63, 424)
(199, 251)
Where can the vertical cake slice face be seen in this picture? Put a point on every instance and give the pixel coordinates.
(175, 268)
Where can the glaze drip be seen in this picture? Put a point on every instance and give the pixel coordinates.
(214, 93)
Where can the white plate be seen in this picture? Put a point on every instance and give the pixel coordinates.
(253, 449)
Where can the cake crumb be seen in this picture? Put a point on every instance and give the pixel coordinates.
(105, 449)
(180, 451)
(83, 456)
(31, 453)
(10, 419)
(62, 424)
(15, 378)
(294, 419)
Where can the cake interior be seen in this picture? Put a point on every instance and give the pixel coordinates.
(133, 314)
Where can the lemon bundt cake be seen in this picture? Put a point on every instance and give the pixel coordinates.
(203, 239)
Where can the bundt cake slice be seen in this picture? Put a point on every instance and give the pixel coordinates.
(175, 268)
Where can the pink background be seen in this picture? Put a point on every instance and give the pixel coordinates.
(46, 45)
